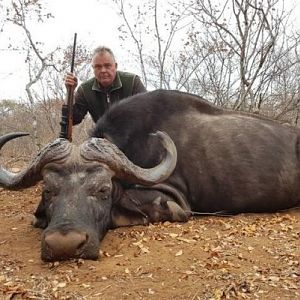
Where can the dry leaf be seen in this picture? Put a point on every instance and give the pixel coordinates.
(186, 240)
(61, 284)
(173, 235)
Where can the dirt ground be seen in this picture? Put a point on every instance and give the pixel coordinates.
(254, 256)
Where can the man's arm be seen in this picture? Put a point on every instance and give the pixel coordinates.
(138, 86)
(80, 107)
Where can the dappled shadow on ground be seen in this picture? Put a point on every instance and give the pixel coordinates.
(253, 256)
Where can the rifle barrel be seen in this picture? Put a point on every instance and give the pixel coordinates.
(67, 108)
(73, 53)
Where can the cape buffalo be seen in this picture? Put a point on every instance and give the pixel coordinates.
(227, 162)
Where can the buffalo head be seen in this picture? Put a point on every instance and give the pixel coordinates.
(80, 185)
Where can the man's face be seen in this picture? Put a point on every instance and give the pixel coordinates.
(105, 68)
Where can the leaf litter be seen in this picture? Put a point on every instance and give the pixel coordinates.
(249, 256)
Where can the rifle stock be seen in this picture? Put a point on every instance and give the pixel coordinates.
(67, 116)
(67, 108)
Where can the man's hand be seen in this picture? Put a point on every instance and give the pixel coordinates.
(71, 81)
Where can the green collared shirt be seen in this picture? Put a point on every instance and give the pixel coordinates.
(91, 97)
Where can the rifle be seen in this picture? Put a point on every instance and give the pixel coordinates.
(67, 108)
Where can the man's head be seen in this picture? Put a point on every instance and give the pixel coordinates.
(104, 66)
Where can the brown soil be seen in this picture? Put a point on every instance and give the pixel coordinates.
(243, 257)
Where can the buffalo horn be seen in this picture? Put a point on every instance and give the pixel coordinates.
(104, 151)
(32, 174)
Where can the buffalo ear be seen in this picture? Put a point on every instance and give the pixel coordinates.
(41, 215)
(126, 212)
(121, 217)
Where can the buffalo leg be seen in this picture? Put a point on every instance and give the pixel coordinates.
(144, 206)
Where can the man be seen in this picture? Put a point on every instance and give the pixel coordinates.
(106, 87)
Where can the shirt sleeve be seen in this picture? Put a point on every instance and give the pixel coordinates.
(138, 86)
(80, 108)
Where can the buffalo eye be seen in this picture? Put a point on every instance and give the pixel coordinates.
(105, 192)
(47, 194)
(102, 192)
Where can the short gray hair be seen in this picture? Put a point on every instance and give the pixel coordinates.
(103, 49)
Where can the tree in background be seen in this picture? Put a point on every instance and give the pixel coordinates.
(22, 13)
(45, 88)
(240, 54)
(154, 32)
(251, 41)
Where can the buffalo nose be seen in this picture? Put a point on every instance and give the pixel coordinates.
(65, 245)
